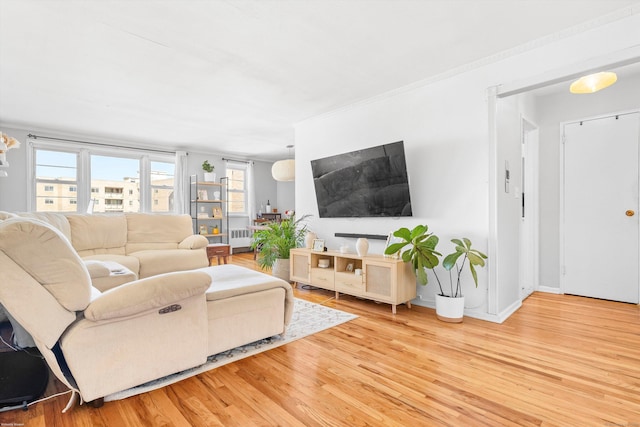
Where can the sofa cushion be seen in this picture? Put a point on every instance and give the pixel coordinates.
(31, 306)
(44, 253)
(96, 234)
(56, 220)
(153, 262)
(195, 241)
(156, 231)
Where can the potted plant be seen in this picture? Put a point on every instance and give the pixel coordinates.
(274, 242)
(208, 168)
(422, 255)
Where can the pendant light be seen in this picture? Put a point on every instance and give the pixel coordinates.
(284, 170)
(593, 82)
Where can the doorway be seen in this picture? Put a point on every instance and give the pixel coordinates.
(599, 208)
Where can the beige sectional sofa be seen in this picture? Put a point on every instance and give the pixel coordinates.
(145, 244)
(98, 343)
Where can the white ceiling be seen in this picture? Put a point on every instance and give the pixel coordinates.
(235, 76)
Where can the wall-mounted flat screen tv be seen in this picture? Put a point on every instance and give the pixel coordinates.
(372, 182)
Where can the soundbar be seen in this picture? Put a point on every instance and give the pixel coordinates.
(366, 236)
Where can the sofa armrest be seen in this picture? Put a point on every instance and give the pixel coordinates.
(194, 241)
(147, 294)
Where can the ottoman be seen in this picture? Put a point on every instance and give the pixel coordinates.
(244, 306)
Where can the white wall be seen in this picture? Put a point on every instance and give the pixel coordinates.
(510, 112)
(266, 187)
(444, 128)
(553, 110)
(286, 196)
(444, 124)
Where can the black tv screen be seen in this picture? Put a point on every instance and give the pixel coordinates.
(366, 183)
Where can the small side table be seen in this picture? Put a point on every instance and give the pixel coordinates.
(218, 250)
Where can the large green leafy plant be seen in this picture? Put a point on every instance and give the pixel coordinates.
(277, 239)
(422, 255)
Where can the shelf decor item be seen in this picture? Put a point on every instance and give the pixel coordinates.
(6, 143)
(309, 238)
(318, 245)
(208, 168)
(362, 246)
(202, 195)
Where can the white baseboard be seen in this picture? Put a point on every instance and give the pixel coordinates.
(495, 318)
(549, 289)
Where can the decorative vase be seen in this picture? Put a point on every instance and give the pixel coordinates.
(281, 269)
(362, 246)
(209, 177)
(309, 238)
(449, 309)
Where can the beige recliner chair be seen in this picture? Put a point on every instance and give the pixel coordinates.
(99, 343)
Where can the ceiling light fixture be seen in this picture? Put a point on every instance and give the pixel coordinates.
(593, 82)
(284, 170)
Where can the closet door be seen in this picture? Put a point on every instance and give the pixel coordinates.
(600, 208)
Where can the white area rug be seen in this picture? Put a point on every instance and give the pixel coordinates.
(308, 318)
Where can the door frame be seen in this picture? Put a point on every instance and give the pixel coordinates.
(561, 182)
(531, 227)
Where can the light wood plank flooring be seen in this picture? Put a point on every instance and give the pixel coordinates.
(558, 361)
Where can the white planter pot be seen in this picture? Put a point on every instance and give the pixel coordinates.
(449, 309)
(209, 177)
(281, 269)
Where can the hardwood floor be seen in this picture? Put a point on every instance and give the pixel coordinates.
(559, 360)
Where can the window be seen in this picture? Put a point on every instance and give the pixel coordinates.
(114, 178)
(118, 176)
(237, 189)
(162, 179)
(56, 172)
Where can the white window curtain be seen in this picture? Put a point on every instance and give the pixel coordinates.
(181, 193)
(251, 197)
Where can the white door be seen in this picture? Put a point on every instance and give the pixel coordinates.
(529, 210)
(600, 209)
